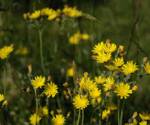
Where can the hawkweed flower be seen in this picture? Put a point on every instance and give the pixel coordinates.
(51, 90)
(71, 12)
(109, 47)
(2, 98)
(38, 82)
(143, 123)
(35, 15)
(119, 61)
(123, 90)
(43, 111)
(34, 119)
(80, 102)
(70, 72)
(105, 114)
(95, 93)
(144, 116)
(147, 67)
(109, 83)
(100, 79)
(59, 119)
(129, 67)
(5, 51)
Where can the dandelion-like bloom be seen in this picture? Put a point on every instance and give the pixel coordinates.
(50, 13)
(5, 51)
(109, 83)
(35, 15)
(143, 123)
(110, 47)
(75, 38)
(38, 82)
(147, 67)
(58, 120)
(43, 111)
(102, 57)
(70, 72)
(71, 12)
(34, 119)
(86, 83)
(105, 114)
(98, 48)
(95, 93)
(129, 67)
(118, 61)
(80, 102)
(51, 90)
(85, 36)
(144, 116)
(100, 79)
(123, 90)
(2, 98)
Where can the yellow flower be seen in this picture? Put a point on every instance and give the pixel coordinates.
(147, 68)
(144, 116)
(105, 114)
(129, 67)
(123, 90)
(110, 47)
(35, 15)
(102, 57)
(34, 119)
(118, 62)
(108, 83)
(38, 82)
(70, 72)
(85, 36)
(143, 123)
(2, 98)
(5, 51)
(45, 111)
(71, 12)
(58, 120)
(51, 90)
(98, 48)
(75, 38)
(80, 102)
(95, 93)
(100, 79)
(50, 13)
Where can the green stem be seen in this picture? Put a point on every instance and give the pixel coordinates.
(36, 101)
(79, 115)
(118, 111)
(121, 113)
(41, 50)
(74, 116)
(82, 117)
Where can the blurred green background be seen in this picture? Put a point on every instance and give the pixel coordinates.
(125, 22)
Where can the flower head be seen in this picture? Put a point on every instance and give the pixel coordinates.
(58, 120)
(105, 114)
(51, 90)
(5, 51)
(147, 67)
(38, 82)
(70, 72)
(123, 90)
(118, 61)
(80, 102)
(34, 119)
(2, 98)
(100, 79)
(129, 67)
(71, 12)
